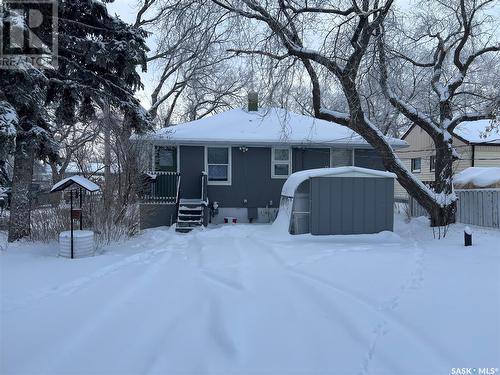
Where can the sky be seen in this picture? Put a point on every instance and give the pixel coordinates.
(126, 10)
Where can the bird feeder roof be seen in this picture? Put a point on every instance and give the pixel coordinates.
(81, 181)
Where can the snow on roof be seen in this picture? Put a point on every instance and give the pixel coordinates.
(479, 131)
(79, 180)
(295, 179)
(266, 126)
(89, 167)
(478, 176)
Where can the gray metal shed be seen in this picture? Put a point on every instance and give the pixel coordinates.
(344, 200)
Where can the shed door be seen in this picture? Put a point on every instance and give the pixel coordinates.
(351, 205)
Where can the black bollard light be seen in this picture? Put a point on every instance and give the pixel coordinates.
(467, 236)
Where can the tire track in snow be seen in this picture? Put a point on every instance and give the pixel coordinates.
(219, 331)
(387, 318)
(385, 311)
(90, 327)
(307, 286)
(220, 280)
(82, 282)
(214, 274)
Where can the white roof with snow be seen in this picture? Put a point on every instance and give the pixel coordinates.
(79, 180)
(295, 179)
(480, 131)
(478, 176)
(265, 127)
(90, 168)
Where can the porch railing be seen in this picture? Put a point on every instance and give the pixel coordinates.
(204, 183)
(161, 187)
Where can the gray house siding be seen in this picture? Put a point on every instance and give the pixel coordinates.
(251, 173)
(368, 158)
(251, 180)
(156, 215)
(351, 205)
(310, 158)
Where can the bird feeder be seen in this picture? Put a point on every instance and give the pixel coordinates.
(76, 185)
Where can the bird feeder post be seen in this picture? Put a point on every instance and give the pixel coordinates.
(71, 219)
(467, 236)
(82, 184)
(81, 212)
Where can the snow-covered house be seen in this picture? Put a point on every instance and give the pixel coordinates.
(476, 142)
(236, 163)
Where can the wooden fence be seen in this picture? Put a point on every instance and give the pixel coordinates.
(475, 206)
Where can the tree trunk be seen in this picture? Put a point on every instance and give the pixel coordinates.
(20, 210)
(445, 214)
(441, 214)
(3, 173)
(108, 193)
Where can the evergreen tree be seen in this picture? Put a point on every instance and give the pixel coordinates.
(97, 59)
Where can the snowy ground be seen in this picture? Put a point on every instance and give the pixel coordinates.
(242, 299)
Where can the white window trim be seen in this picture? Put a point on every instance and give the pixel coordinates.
(229, 166)
(153, 159)
(331, 157)
(430, 164)
(273, 162)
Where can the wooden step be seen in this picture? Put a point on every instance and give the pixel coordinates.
(185, 208)
(196, 221)
(189, 214)
(189, 201)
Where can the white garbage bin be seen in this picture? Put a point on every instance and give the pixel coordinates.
(83, 244)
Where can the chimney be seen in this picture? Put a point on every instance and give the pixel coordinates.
(253, 101)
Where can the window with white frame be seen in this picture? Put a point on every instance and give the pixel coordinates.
(281, 162)
(218, 165)
(432, 163)
(416, 165)
(341, 157)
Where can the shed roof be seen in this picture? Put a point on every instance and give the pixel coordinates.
(295, 179)
(78, 180)
(478, 177)
(264, 127)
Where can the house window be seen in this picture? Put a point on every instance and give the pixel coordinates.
(218, 165)
(280, 162)
(165, 159)
(341, 157)
(432, 163)
(416, 164)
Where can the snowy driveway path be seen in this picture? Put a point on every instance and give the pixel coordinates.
(240, 299)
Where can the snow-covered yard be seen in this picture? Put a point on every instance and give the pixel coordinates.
(243, 299)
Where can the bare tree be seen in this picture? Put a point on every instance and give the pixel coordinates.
(454, 54)
(341, 41)
(71, 137)
(193, 76)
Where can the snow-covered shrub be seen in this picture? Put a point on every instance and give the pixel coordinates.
(114, 222)
(111, 222)
(48, 222)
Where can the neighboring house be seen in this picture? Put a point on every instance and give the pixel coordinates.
(93, 170)
(476, 145)
(42, 177)
(238, 161)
